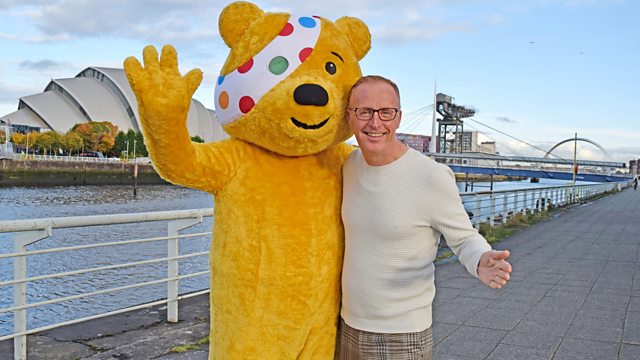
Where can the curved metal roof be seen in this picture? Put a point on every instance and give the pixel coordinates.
(97, 101)
(24, 116)
(54, 110)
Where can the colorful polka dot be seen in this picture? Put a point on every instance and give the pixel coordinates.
(278, 65)
(246, 66)
(304, 54)
(223, 100)
(287, 30)
(238, 92)
(307, 22)
(246, 103)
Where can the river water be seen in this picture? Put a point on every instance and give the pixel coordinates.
(38, 202)
(29, 203)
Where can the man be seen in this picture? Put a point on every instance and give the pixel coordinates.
(396, 203)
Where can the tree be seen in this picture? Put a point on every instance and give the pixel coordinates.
(88, 134)
(120, 144)
(197, 139)
(18, 138)
(44, 141)
(3, 137)
(58, 144)
(31, 139)
(141, 148)
(72, 142)
(105, 144)
(93, 132)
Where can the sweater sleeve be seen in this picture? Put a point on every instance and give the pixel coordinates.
(449, 217)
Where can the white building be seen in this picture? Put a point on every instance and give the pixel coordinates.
(96, 94)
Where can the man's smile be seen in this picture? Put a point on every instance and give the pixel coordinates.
(374, 134)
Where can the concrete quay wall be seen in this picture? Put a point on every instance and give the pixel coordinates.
(51, 173)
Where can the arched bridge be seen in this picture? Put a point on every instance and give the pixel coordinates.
(576, 139)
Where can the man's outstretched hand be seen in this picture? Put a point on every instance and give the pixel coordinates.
(493, 268)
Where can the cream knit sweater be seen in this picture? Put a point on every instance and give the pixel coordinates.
(393, 217)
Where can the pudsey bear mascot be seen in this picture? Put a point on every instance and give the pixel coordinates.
(277, 246)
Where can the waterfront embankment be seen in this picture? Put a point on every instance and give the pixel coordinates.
(27, 172)
(52, 173)
(573, 295)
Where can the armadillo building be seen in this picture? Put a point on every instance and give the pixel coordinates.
(96, 94)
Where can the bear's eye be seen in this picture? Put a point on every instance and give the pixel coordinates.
(330, 67)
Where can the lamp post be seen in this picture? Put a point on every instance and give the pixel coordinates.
(27, 145)
(127, 142)
(135, 170)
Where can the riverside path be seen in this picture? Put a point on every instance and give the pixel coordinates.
(574, 294)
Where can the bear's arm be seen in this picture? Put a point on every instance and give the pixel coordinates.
(207, 167)
(164, 97)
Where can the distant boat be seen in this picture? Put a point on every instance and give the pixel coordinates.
(535, 180)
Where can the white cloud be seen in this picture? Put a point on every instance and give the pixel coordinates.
(416, 31)
(65, 20)
(4, 36)
(9, 94)
(45, 38)
(45, 65)
(192, 21)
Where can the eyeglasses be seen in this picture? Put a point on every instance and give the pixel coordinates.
(365, 113)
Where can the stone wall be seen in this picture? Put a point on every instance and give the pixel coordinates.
(49, 173)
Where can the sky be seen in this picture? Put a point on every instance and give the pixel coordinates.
(537, 72)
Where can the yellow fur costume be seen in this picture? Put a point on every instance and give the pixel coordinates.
(277, 245)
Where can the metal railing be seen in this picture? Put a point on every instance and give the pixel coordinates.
(497, 207)
(491, 207)
(27, 233)
(21, 156)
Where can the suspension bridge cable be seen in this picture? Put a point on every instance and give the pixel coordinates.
(522, 157)
(417, 118)
(515, 138)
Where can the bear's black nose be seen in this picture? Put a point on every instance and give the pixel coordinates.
(311, 94)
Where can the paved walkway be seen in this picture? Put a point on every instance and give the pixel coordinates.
(573, 295)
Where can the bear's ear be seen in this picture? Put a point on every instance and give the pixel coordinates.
(235, 19)
(358, 34)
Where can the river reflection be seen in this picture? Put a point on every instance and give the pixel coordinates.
(18, 203)
(29, 203)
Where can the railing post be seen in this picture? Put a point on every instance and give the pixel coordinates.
(546, 199)
(524, 203)
(505, 213)
(477, 216)
(492, 202)
(539, 201)
(20, 289)
(173, 251)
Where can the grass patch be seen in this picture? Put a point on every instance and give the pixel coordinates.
(446, 253)
(495, 234)
(187, 347)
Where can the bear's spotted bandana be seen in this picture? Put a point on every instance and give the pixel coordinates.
(237, 92)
